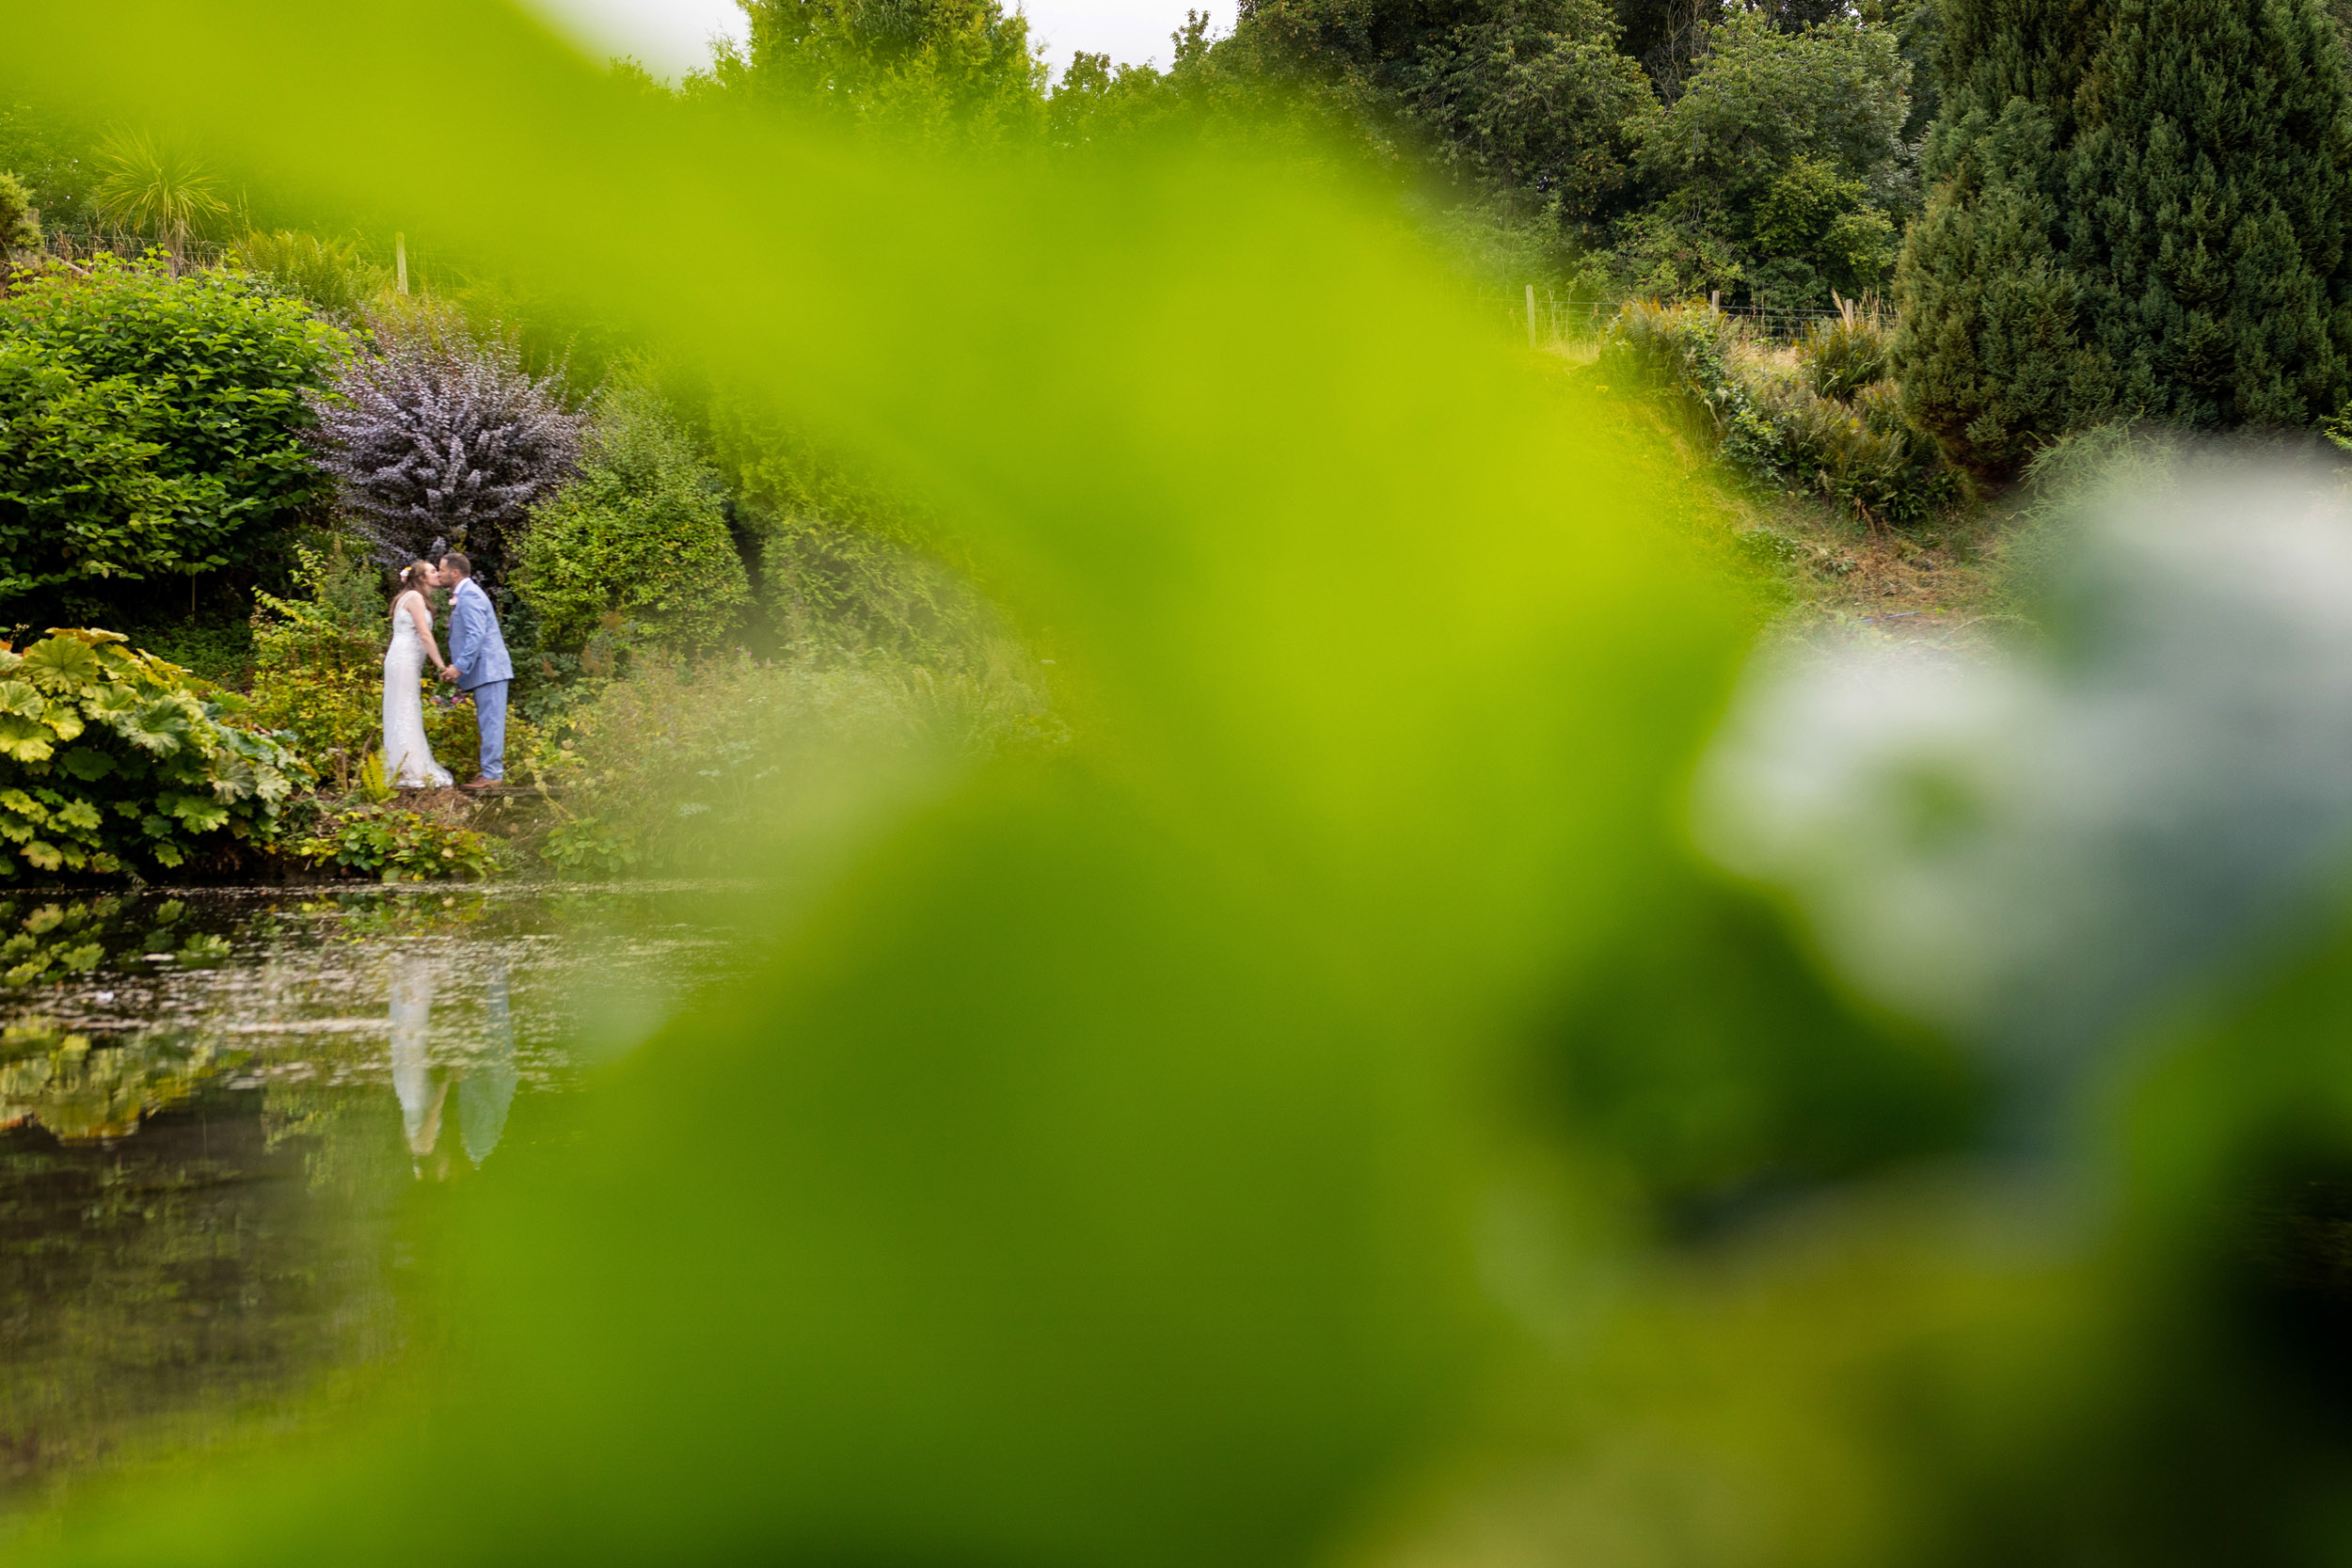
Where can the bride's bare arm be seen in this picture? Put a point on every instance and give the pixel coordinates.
(423, 617)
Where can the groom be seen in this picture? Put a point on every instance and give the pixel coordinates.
(478, 663)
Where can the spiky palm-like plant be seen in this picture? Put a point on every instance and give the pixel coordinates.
(149, 188)
(439, 435)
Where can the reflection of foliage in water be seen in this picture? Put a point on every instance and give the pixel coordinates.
(180, 1289)
(82, 1093)
(54, 940)
(177, 1289)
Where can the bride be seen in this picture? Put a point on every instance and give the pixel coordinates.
(407, 757)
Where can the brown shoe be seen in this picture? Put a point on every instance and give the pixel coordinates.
(476, 786)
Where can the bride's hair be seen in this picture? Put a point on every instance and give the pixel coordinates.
(413, 575)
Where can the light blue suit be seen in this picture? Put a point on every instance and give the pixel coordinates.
(478, 653)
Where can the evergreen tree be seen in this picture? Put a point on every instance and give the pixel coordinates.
(2209, 181)
(2135, 209)
(1989, 351)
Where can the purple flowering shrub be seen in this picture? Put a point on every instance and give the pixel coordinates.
(442, 437)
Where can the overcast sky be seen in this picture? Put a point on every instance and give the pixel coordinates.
(674, 36)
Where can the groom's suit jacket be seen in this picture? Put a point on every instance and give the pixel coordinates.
(475, 647)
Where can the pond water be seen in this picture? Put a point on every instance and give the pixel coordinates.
(221, 1112)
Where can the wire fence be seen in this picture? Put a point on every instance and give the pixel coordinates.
(82, 245)
(1551, 321)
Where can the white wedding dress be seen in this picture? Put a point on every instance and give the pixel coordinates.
(408, 759)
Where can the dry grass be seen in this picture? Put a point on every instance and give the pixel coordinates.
(1933, 581)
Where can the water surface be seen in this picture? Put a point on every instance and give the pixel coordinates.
(223, 1112)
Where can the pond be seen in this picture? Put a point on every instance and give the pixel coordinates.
(221, 1114)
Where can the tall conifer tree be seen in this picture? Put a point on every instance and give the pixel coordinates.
(2211, 181)
(2137, 208)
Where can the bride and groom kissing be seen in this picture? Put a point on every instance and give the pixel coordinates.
(477, 665)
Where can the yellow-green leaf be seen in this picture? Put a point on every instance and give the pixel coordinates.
(61, 664)
(24, 739)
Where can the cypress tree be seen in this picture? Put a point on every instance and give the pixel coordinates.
(2210, 182)
(1990, 352)
(2136, 208)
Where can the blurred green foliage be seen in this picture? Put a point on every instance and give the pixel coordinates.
(638, 540)
(692, 768)
(1321, 1111)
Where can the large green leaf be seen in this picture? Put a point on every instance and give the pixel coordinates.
(25, 740)
(61, 664)
(111, 702)
(159, 726)
(200, 815)
(87, 763)
(64, 718)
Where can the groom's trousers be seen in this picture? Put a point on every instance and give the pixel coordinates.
(489, 717)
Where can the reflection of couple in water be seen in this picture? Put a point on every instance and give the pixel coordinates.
(485, 1078)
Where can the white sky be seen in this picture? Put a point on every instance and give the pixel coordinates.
(671, 37)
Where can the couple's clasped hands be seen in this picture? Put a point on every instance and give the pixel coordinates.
(449, 672)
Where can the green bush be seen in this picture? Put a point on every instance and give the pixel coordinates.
(1861, 451)
(2135, 211)
(639, 540)
(1689, 353)
(20, 224)
(397, 845)
(318, 669)
(331, 274)
(220, 652)
(1847, 352)
(150, 426)
(844, 565)
(113, 762)
(1771, 422)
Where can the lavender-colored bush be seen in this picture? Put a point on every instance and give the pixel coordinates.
(439, 436)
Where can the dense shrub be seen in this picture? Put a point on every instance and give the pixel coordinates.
(1860, 451)
(1766, 415)
(842, 563)
(150, 426)
(1847, 352)
(112, 761)
(441, 436)
(331, 274)
(639, 540)
(689, 768)
(1689, 353)
(19, 222)
(397, 845)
